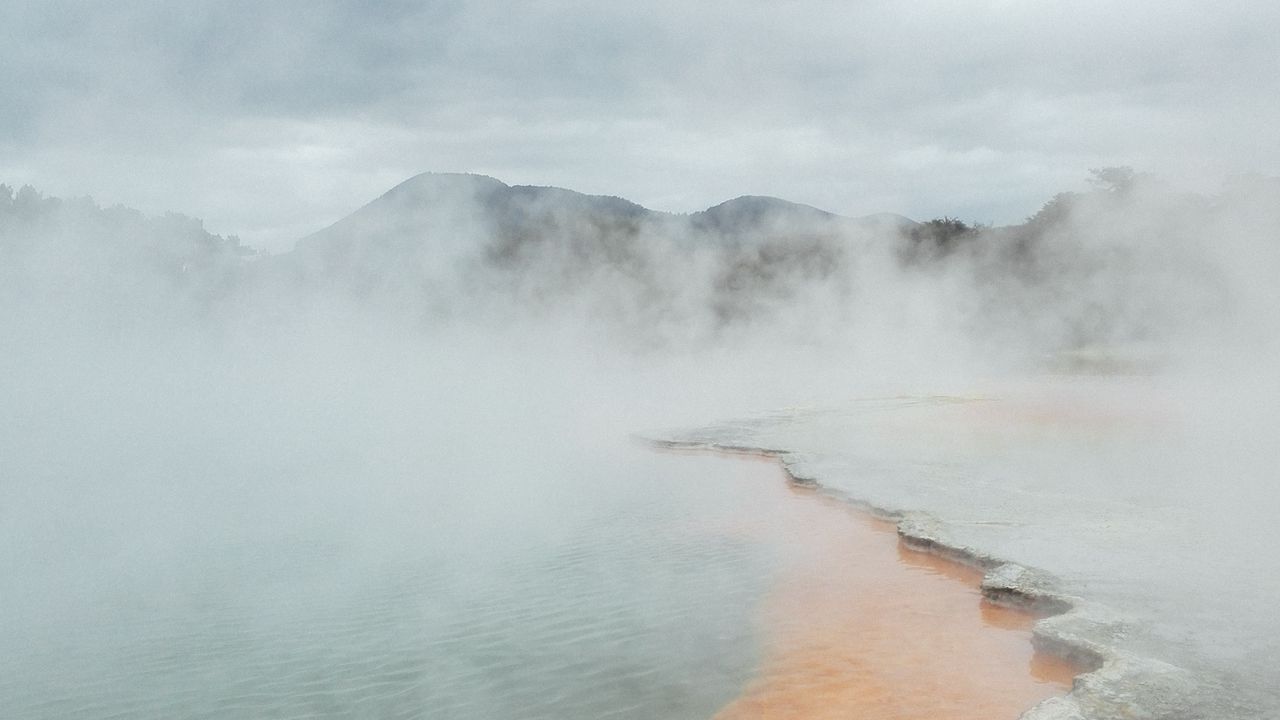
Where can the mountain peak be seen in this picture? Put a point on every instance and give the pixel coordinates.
(435, 182)
(762, 203)
(758, 211)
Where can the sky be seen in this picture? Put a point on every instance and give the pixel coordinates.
(272, 120)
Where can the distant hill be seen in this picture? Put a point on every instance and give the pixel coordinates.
(1129, 261)
(442, 246)
(458, 238)
(434, 202)
(754, 213)
(433, 213)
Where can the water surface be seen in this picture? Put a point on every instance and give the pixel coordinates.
(603, 580)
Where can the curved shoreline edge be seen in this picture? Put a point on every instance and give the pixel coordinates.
(1113, 684)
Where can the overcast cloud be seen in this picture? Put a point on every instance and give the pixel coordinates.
(271, 120)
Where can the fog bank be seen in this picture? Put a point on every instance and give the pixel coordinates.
(453, 366)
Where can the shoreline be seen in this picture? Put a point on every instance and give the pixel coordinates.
(836, 659)
(1111, 684)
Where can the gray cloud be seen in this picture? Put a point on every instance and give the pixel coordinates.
(272, 119)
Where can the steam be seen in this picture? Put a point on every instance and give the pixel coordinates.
(171, 394)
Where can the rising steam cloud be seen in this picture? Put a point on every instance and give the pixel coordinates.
(456, 346)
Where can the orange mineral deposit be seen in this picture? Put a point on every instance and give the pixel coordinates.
(857, 625)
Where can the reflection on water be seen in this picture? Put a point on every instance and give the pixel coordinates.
(638, 585)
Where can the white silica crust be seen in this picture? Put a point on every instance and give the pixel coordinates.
(1138, 583)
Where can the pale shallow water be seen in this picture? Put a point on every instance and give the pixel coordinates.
(633, 599)
(442, 580)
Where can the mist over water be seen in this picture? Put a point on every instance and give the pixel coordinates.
(349, 530)
(388, 473)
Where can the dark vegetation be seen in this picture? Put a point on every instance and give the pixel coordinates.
(936, 239)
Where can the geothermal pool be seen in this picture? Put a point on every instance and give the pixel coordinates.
(642, 584)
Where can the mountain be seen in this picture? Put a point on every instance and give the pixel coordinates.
(460, 214)
(437, 212)
(462, 239)
(446, 246)
(433, 202)
(1107, 266)
(751, 214)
